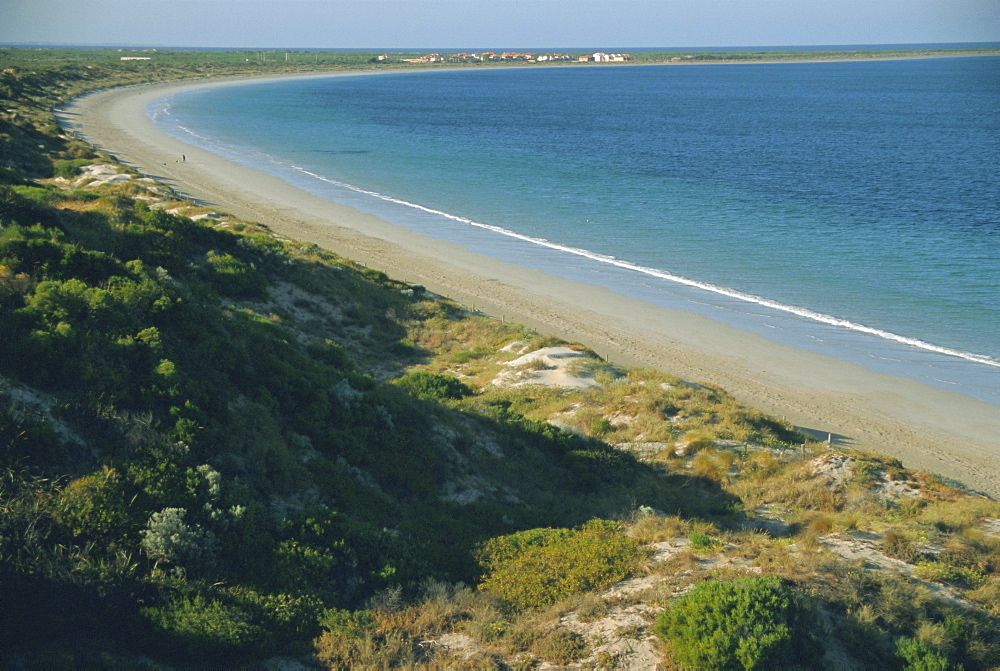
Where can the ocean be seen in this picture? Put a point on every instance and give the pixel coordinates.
(849, 208)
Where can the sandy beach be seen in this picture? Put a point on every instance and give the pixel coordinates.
(926, 428)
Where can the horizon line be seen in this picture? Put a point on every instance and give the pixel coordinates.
(767, 47)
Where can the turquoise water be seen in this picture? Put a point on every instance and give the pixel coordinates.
(848, 208)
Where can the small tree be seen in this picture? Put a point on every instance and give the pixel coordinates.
(745, 624)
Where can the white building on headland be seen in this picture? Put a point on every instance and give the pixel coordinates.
(601, 57)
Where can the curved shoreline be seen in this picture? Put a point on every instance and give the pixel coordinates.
(926, 428)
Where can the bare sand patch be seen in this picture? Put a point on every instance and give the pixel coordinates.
(549, 366)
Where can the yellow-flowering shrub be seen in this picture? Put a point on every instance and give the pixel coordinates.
(536, 568)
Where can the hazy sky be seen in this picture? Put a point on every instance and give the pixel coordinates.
(451, 24)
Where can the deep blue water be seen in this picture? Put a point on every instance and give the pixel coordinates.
(847, 207)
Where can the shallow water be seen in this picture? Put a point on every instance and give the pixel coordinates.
(848, 208)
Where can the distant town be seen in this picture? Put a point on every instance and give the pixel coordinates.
(509, 56)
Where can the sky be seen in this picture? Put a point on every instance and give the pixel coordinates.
(466, 24)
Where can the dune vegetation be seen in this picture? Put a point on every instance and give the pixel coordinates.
(219, 447)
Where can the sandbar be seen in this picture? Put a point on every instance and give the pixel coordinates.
(929, 429)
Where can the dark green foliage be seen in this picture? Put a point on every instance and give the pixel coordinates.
(745, 624)
(8, 176)
(229, 625)
(69, 169)
(194, 412)
(433, 386)
(16, 208)
(235, 278)
(332, 354)
(599, 464)
(26, 439)
(351, 623)
(338, 559)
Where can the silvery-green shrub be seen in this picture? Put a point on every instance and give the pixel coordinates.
(168, 538)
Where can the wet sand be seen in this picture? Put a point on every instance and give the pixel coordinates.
(926, 428)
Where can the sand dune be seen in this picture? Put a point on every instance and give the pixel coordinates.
(927, 428)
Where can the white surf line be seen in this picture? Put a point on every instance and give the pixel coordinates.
(660, 274)
(604, 258)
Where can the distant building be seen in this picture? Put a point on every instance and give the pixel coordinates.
(515, 56)
(601, 57)
(136, 58)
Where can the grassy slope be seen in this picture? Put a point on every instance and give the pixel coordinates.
(205, 456)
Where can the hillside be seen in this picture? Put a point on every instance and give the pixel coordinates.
(221, 447)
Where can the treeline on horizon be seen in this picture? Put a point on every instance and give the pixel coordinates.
(218, 446)
(272, 59)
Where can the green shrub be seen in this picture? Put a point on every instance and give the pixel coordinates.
(231, 625)
(94, 507)
(17, 206)
(538, 568)
(745, 624)
(701, 542)
(69, 169)
(167, 537)
(331, 353)
(198, 627)
(433, 386)
(918, 656)
(235, 278)
(405, 347)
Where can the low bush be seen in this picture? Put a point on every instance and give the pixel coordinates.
(540, 567)
(69, 169)
(235, 278)
(918, 656)
(433, 386)
(230, 626)
(560, 646)
(745, 624)
(701, 542)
